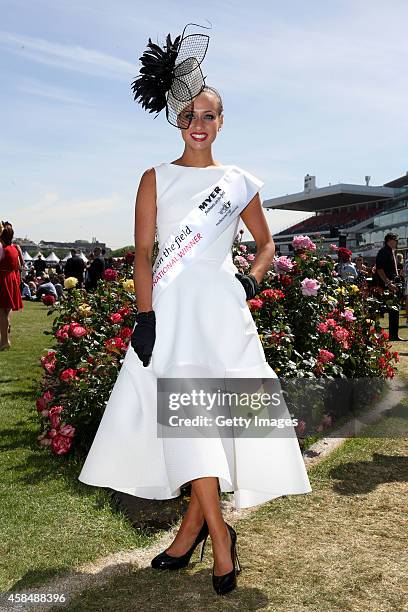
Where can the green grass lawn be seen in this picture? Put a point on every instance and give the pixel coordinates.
(341, 547)
(49, 521)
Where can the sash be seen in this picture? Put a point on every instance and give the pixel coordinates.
(214, 208)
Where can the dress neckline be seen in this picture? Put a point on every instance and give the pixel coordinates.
(199, 167)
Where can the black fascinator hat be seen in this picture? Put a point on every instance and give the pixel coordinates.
(171, 76)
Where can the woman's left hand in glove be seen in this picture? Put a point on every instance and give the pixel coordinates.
(249, 283)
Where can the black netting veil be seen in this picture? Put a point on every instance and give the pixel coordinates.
(171, 76)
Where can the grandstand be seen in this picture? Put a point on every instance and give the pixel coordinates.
(356, 216)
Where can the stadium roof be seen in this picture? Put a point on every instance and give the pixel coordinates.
(333, 196)
(398, 182)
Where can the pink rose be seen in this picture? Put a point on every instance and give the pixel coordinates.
(325, 356)
(241, 262)
(243, 248)
(282, 264)
(303, 242)
(255, 304)
(322, 327)
(62, 333)
(340, 334)
(348, 315)
(309, 287)
(67, 430)
(61, 444)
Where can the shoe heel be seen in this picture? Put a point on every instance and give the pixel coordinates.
(202, 549)
(238, 563)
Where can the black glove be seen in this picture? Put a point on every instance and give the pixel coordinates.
(144, 336)
(249, 283)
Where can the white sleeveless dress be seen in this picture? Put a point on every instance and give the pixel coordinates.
(203, 328)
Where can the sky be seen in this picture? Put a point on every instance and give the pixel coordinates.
(308, 87)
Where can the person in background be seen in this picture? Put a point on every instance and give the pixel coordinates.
(386, 277)
(362, 271)
(25, 290)
(10, 294)
(32, 285)
(46, 287)
(405, 273)
(345, 268)
(59, 287)
(400, 269)
(400, 262)
(39, 265)
(75, 266)
(95, 270)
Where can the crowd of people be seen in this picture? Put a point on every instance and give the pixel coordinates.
(33, 280)
(389, 271)
(20, 280)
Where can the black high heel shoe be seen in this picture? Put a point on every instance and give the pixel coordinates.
(165, 561)
(227, 582)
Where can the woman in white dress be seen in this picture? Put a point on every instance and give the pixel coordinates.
(199, 324)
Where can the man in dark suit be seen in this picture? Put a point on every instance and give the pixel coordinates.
(386, 274)
(95, 270)
(39, 265)
(75, 266)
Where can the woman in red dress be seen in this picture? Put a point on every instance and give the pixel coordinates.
(10, 293)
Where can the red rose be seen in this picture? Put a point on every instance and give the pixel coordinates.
(110, 274)
(68, 374)
(126, 332)
(61, 444)
(44, 400)
(114, 344)
(49, 361)
(116, 317)
(77, 331)
(53, 415)
(124, 311)
(48, 300)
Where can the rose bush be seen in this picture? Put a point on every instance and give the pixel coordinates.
(312, 325)
(92, 331)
